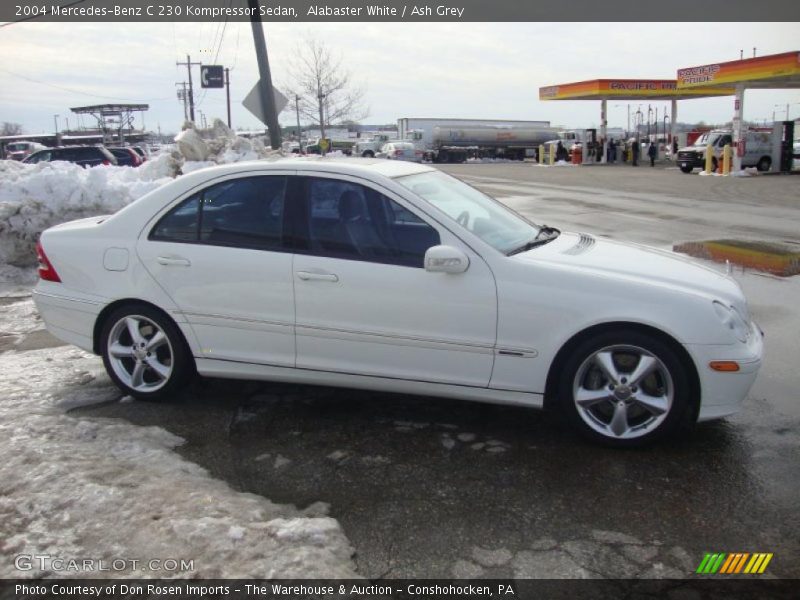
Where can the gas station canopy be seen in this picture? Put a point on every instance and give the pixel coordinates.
(774, 71)
(629, 89)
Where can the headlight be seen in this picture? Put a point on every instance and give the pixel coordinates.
(731, 319)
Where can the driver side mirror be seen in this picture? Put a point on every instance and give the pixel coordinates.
(445, 259)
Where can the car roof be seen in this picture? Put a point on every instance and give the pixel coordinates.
(343, 166)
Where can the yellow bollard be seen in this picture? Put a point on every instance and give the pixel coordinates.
(541, 154)
(709, 159)
(726, 159)
(552, 154)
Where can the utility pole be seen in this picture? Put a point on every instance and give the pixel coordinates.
(228, 93)
(182, 96)
(189, 64)
(297, 112)
(265, 78)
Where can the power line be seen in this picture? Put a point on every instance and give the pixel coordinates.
(73, 91)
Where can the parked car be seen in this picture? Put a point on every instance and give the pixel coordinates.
(142, 151)
(394, 276)
(85, 156)
(126, 156)
(19, 150)
(400, 151)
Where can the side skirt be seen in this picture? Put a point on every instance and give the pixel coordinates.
(240, 370)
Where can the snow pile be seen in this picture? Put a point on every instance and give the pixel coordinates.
(746, 172)
(73, 488)
(217, 145)
(35, 197)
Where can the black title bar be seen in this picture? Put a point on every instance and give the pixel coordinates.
(94, 11)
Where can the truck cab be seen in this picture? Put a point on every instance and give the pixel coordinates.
(369, 148)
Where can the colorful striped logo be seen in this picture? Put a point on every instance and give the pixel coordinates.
(734, 563)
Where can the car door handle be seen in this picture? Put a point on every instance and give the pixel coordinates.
(310, 276)
(173, 261)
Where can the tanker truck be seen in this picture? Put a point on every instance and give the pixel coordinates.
(457, 144)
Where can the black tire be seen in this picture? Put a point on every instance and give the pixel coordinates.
(687, 168)
(714, 164)
(368, 154)
(669, 384)
(764, 164)
(172, 354)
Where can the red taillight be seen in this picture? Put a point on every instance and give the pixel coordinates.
(398, 152)
(46, 270)
(136, 159)
(106, 161)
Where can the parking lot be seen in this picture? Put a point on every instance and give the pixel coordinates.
(427, 487)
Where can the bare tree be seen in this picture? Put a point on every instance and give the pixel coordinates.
(323, 90)
(8, 128)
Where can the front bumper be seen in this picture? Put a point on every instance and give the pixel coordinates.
(722, 393)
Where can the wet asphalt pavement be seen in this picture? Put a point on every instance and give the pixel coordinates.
(428, 487)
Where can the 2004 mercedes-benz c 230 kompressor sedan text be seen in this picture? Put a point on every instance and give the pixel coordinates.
(394, 276)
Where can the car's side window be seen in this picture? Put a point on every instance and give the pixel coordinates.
(348, 220)
(179, 224)
(246, 213)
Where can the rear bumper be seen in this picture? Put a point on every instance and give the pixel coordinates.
(69, 316)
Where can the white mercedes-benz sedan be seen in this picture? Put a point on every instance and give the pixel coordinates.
(394, 276)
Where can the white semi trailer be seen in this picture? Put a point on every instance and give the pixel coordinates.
(425, 126)
(456, 144)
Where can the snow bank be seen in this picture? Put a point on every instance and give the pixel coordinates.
(219, 144)
(35, 197)
(74, 488)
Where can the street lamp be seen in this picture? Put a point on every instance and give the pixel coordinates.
(628, 130)
(55, 121)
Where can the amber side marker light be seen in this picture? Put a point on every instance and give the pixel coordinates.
(725, 366)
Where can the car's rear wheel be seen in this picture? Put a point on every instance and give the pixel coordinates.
(368, 154)
(686, 168)
(144, 353)
(764, 164)
(625, 389)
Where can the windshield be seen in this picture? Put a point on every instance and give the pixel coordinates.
(707, 138)
(495, 224)
(17, 147)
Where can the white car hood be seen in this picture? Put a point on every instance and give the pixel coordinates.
(629, 261)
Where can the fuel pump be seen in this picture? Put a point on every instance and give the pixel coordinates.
(787, 146)
(590, 146)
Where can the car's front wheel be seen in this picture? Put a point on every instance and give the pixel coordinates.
(144, 353)
(625, 389)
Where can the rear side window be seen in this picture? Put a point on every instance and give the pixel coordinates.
(246, 213)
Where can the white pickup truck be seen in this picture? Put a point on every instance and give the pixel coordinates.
(370, 147)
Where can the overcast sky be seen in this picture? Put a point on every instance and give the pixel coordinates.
(473, 70)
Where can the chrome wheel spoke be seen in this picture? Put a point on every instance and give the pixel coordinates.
(133, 330)
(619, 422)
(586, 398)
(157, 340)
(605, 361)
(647, 364)
(161, 370)
(656, 405)
(137, 377)
(120, 351)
